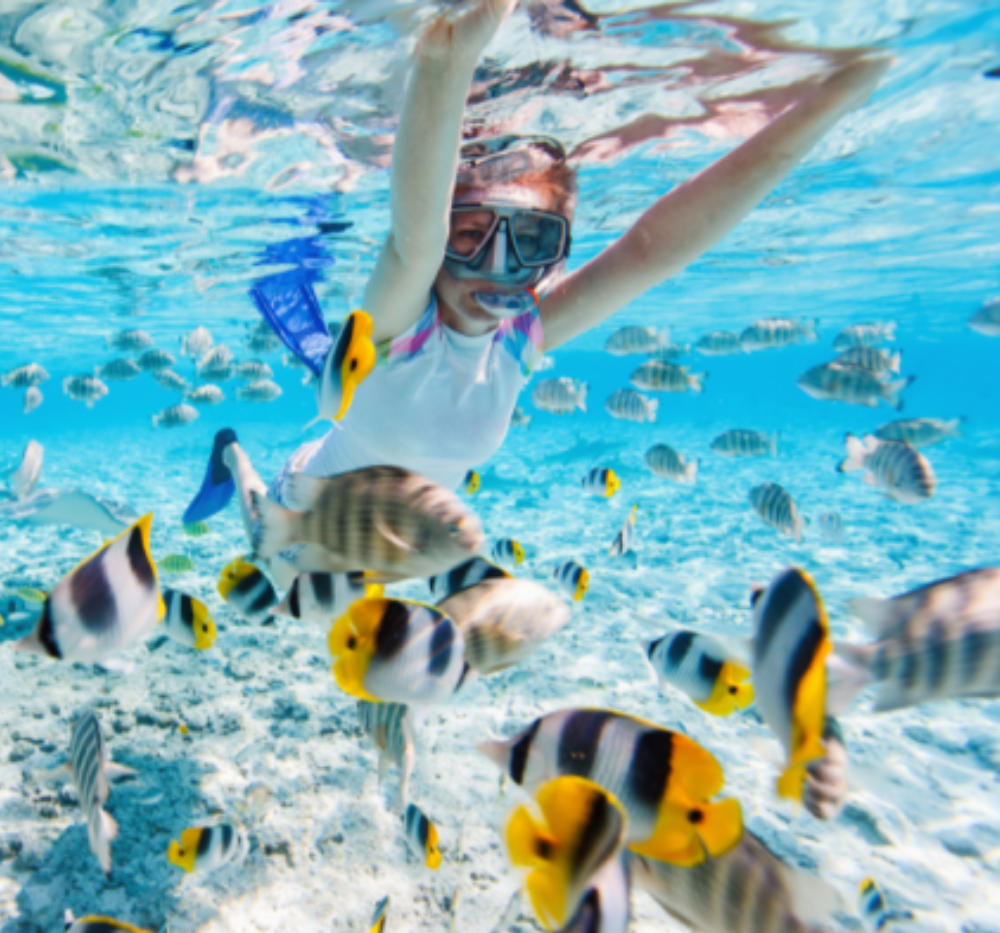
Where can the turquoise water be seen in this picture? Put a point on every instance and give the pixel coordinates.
(158, 158)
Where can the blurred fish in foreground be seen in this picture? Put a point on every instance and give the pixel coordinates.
(663, 779)
(893, 467)
(129, 340)
(571, 842)
(791, 644)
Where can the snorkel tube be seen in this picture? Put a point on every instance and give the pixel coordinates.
(504, 305)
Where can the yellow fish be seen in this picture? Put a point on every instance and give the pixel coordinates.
(472, 482)
(349, 362)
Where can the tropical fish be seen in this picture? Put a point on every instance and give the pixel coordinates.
(864, 335)
(602, 482)
(379, 916)
(574, 579)
(291, 361)
(629, 405)
(421, 837)
(507, 551)
(154, 361)
(504, 621)
(520, 418)
(468, 573)
(71, 507)
(261, 339)
(93, 924)
(743, 443)
(206, 395)
(187, 620)
(92, 771)
(894, 467)
(560, 396)
(623, 540)
(175, 416)
(169, 380)
(398, 651)
(878, 362)
(937, 642)
(831, 527)
(776, 508)
(209, 848)
(24, 477)
(321, 598)
(349, 362)
(24, 377)
(567, 840)
(835, 382)
(261, 391)
(775, 332)
(826, 785)
(196, 529)
(32, 399)
(119, 370)
(700, 667)
(215, 372)
(419, 528)
(253, 370)
(627, 340)
(747, 890)
(107, 603)
(920, 432)
(873, 908)
(986, 320)
(129, 340)
(663, 780)
(197, 343)
(471, 483)
(718, 343)
(244, 587)
(31, 595)
(661, 376)
(85, 388)
(671, 352)
(175, 563)
(791, 644)
(391, 729)
(217, 356)
(667, 463)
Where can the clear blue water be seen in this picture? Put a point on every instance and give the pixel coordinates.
(153, 157)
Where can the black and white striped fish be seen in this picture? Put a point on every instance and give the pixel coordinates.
(248, 591)
(938, 642)
(865, 335)
(667, 463)
(776, 508)
(878, 362)
(209, 848)
(187, 621)
(391, 729)
(629, 405)
(837, 382)
(468, 573)
(775, 332)
(743, 443)
(718, 343)
(421, 837)
(107, 603)
(894, 467)
(920, 432)
(623, 540)
(323, 597)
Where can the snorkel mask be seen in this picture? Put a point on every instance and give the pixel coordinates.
(499, 241)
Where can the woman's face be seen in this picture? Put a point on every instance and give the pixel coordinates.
(459, 310)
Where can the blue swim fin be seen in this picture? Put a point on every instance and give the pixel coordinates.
(218, 486)
(290, 306)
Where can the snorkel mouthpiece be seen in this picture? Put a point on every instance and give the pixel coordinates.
(504, 305)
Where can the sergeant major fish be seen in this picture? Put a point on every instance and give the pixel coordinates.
(155, 361)
(880, 363)
(32, 399)
(664, 781)
(206, 395)
(85, 388)
(253, 370)
(601, 481)
(263, 390)
(718, 343)
(986, 320)
(700, 667)
(791, 644)
(129, 340)
(835, 382)
(667, 463)
(671, 352)
(244, 587)
(775, 332)
(24, 377)
(743, 443)
(627, 340)
(170, 381)
(209, 848)
(560, 396)
(175, 416)
(920, 432)
(660, 376)
(776, 508)
(397, 651)
(894, 467)
(573, 579)
(421, 837)
(629, 405)
(391, 729)
(106, 604)
(865, 335)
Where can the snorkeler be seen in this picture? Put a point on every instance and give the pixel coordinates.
(469, 289)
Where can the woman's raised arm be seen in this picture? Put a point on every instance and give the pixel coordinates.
(694, 216)
(424, 161)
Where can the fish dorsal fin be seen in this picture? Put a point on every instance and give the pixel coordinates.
(875, 613)
(390, 535)
(302, 492)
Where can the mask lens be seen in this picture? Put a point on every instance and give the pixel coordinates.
(469, 231)
(539, 238)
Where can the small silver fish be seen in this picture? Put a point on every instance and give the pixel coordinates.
(671, 352)
(85, 388)
(880, 363)
(24, 377)
(628, 340)
(986, 320)
(217, 372)
(175, 416)
(835, 382)
(206, 395)
(118, 370)
(32, 399)
(776, 508)
(155, 361)
(774, 333)
(743, 443)
(197, 343)
(894, 467)
(560, 396)
(629, 405)
(219, 355)
(170, 380)
(718, 343)
(661, 376)
(262, 391)
(129, 340)
(920, 432)
(865, 335)
(253, 370)
(667, 463)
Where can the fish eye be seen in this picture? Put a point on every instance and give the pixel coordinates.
(695, 816)
(204, 628)
(354, 364)
(454, 530)
(352, 643)
(732, 690)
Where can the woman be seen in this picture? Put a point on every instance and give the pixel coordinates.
(470, 240)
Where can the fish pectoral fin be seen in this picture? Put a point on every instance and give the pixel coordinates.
(114, 771)
(390, 535)
(117, 666)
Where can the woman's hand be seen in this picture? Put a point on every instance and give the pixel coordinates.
(459, 36)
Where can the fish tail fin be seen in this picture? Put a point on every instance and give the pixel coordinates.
(114, 771)
(798, 528)
(278, 527)
(848, 672)
(889, 331)
(857, 452)
(30, 643)
(877, 614)
(581, 398)
(808, 327)
(66, 381)
(691, 471)
(696, 381)
(895, 360)
(792, 780)
(156, 421)
(651, 407)
(772, 442)
(523, 837)
(102, 832)
(893, 390)
(953, 428)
